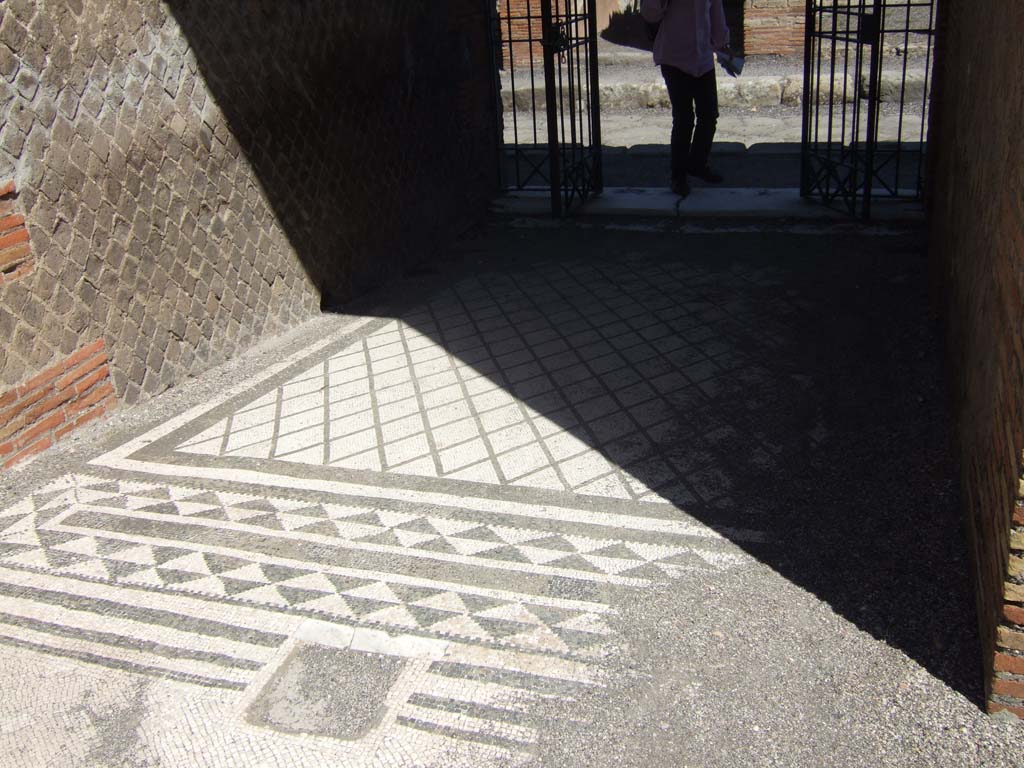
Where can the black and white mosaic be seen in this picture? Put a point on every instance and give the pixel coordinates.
(462, 488)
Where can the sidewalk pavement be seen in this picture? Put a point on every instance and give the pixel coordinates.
(764, 105)
(629, 80)
(580, 495)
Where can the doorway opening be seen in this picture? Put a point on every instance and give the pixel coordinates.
(832, 104)
(548, 60)
(868, 69)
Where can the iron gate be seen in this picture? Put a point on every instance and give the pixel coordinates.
(549, 87)
(867, 79)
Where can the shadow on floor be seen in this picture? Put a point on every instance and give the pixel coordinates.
(649, 165)
(759, 382)
(765, 166)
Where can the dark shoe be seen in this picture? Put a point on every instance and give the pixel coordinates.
(707, 174)
(681, 187)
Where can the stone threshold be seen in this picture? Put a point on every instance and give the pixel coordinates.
(705, 202)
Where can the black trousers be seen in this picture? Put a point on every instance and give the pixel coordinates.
(689, 96)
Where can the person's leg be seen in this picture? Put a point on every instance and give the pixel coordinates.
(680, 94)
(706, 97)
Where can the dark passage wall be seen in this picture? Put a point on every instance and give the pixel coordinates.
(977, 214)
(195, 175)
(370, 125)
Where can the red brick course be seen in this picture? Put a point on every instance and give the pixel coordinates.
(773, 27)
(1014, 614)
(1011, 688)
(519, 24)
(1018, 711)
(50, 405)
(1006, 663)
(15, 252)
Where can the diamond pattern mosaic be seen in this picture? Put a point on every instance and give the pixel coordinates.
(569, 380)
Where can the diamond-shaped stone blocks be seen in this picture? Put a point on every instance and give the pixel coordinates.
(195, 178)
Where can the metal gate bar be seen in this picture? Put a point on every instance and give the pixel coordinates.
(868, 68)
(525, 163)
(559, 149)
(571, 53)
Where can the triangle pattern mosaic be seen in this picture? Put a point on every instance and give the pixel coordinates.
(390, 531)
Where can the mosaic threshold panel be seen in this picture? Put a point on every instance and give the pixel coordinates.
(462, 488)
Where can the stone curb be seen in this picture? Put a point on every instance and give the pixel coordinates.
(616, 56)
(743, 92)
(777, 205)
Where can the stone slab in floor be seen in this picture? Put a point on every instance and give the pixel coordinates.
(325, 691)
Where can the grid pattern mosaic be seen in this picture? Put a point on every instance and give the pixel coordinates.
(572, 379)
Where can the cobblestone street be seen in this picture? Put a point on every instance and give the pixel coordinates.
(419, 536)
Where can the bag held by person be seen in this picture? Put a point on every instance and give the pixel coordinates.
(651, 27)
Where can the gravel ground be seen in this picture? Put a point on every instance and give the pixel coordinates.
(758, 672)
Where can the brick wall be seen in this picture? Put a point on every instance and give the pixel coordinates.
(519, 33)
(58, 400)
(16, 259)
(196, 175)
(976, 205)
(1008, 664)
(757, 26)
(773, 26)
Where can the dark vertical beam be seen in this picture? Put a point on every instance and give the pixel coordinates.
(809, 111)
(552, 97)
(874, 87)
(595, 102)
(490, 10)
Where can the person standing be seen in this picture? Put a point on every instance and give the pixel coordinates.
(689, 34)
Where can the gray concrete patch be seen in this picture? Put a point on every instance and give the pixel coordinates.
(327, 692)
(117, 729)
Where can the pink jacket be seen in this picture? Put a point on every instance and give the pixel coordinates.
(691, 31)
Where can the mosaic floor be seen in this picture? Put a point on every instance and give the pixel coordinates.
(392, 545)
